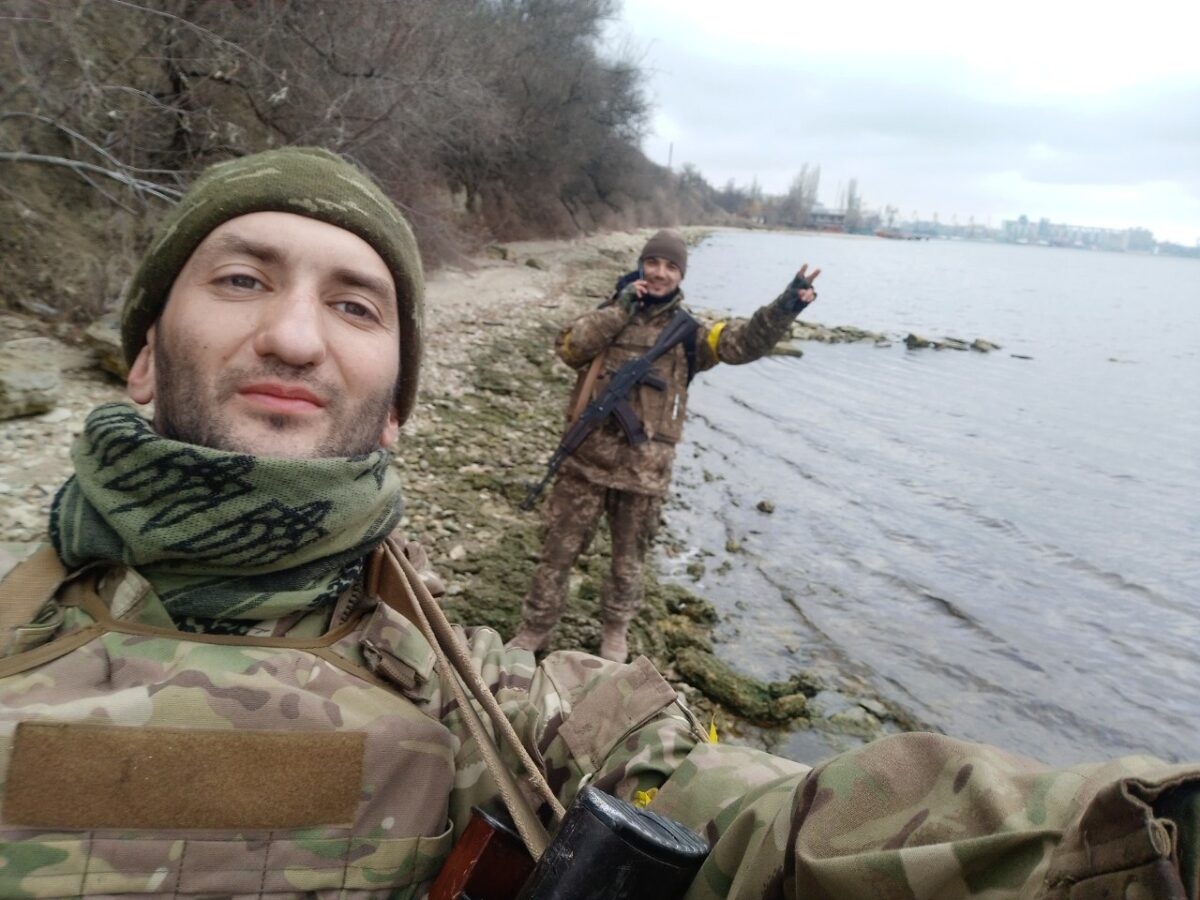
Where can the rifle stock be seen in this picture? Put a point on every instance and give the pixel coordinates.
(488, 862)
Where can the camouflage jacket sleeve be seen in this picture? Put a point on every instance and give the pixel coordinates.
(924, 816)
(583, 719)
(739, 341)
(910, 817)
(581, 340)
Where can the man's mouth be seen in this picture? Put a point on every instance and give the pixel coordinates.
(278, 397)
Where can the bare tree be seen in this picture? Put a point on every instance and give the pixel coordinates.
(480, 117)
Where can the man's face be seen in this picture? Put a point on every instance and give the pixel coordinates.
(280, 337)
(662, 275)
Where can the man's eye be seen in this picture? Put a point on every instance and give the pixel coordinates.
(355, 309)
(241, 280)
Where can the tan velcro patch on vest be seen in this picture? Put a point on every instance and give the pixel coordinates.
(104, 776)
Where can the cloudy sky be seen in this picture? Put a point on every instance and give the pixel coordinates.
(1085, 113)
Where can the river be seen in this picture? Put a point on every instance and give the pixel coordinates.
(1006, 547)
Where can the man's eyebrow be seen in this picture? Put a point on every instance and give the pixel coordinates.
(355, 279)
(235, 243)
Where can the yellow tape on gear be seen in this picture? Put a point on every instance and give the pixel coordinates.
(642, 799)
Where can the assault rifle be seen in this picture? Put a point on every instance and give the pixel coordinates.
(615, 400)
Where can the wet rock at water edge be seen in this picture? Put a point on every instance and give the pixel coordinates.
(786, 349)
(765, 506)
(953, 343)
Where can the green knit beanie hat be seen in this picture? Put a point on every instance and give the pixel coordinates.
(669, 245)
(307, 181)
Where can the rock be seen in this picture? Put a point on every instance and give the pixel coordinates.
(983, 346)
(916, 342)
(765, 506)
(1019, 356)
(594, 284)
(55, 416)
(458, 552)
(104, 337)
(856, 720)
(952, 343)
(874, 707)
(535, 263)
(495, 251)
(786, 349)
(771, 703)
(30, 380)
(696, 570)
(851, 334)
(733, 545)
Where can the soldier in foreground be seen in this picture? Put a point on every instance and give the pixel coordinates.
(623, 467)
(220, 680)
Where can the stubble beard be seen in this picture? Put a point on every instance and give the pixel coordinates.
(187, 409)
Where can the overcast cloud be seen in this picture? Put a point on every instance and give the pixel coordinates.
(1051, 109)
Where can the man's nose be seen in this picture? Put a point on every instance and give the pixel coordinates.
(291, 328)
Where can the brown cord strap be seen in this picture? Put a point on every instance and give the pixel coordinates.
(454, 663)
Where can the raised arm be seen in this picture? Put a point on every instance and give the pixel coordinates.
(741, 341)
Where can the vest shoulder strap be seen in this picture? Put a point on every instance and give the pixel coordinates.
(27, 588)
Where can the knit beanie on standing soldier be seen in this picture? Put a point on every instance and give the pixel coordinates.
(306, 181)
(669, 245)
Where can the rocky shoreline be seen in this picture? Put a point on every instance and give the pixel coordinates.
(489, 415)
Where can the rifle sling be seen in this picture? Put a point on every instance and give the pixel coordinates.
(585, 389)
(415, 603)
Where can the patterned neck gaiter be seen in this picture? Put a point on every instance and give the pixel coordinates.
(221, 535)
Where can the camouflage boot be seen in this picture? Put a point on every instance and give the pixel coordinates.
(530, 638)
(613, 643)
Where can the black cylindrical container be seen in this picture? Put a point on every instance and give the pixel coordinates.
(607, 849)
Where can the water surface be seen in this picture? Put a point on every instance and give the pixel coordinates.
(1006, 546)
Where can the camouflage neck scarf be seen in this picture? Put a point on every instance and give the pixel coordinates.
(221, 535)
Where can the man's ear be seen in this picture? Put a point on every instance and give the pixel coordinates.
(139, 383)
(391, 429)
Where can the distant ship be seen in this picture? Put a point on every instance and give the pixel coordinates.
(895, 234)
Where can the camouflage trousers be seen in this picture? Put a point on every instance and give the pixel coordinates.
(572, 514)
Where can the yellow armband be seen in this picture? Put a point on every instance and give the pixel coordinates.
(714, 336)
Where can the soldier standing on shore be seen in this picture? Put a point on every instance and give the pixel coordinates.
(612, 474)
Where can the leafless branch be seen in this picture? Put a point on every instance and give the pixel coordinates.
(162, 192)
